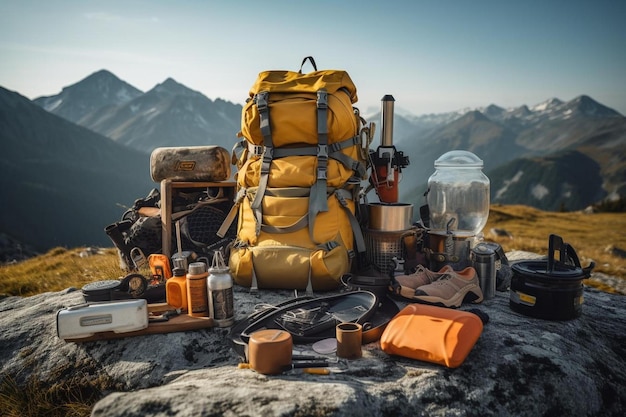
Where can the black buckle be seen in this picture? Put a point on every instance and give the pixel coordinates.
(322, 99)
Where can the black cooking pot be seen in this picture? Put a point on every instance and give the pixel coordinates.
(549, 289)
(378, 284)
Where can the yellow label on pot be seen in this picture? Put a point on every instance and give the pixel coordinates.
(526, 298)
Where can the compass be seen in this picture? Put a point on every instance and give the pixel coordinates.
(135, 284)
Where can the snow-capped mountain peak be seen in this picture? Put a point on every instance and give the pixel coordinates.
(547, 105)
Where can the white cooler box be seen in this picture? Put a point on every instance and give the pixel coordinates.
(84, 320)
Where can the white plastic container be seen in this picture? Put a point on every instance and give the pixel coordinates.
(84, 320)
(458, 195)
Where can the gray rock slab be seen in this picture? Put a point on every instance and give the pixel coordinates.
(520, 366)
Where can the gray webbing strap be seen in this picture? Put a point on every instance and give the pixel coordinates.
(341, 194)
(334, 152)
(232, 214)
(228, 220)
(309, 285)
(354, 223)
(299, 224)
(328, 246)
(317, 200)
(238, 150)
(288, 192)
(264, 115)
(254, 285)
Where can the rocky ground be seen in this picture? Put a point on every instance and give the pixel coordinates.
(519, 366)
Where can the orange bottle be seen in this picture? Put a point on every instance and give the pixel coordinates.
(197, 292)
(176, 289)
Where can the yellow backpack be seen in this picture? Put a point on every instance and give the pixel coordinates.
(300, 167)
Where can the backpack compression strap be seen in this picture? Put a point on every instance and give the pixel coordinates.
(318, 195)
(342, 195)
(268, 148)
(317, 199)
(334, 152)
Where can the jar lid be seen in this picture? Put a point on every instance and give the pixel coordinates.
(458, 159)
(219, 269)
(483, 252)
(197, 268)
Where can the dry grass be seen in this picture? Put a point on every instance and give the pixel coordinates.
(73, 398)
(591, 235)
(57, 270)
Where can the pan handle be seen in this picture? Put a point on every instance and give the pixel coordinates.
(567, 255)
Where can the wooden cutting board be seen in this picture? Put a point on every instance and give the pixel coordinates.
(180, 323)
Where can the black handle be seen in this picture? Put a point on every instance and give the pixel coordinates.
(567, 254)
(308, 58)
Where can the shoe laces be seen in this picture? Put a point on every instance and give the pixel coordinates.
(423, 270)
(420, 269)
(443, 280)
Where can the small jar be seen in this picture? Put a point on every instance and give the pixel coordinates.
(458, 195)
(197, 300)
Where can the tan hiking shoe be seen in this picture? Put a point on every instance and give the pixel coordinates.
(452, 289)
(422, 276)
(407, 284)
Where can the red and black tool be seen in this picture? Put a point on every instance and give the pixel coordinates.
(387, 161)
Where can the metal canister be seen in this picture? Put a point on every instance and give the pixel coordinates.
(220, 293)
(484, 262)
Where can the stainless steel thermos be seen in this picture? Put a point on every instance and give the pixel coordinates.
(220, 292)
(484, 262)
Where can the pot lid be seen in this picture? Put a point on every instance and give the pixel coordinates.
(106, 285)
(459, 159)
(539, 269)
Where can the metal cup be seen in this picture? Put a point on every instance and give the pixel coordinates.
(349, 340)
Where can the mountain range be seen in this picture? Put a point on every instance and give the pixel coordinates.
(170, 114)
(554, 156)
(75, 159)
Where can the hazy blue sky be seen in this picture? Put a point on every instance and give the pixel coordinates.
(432, 56)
